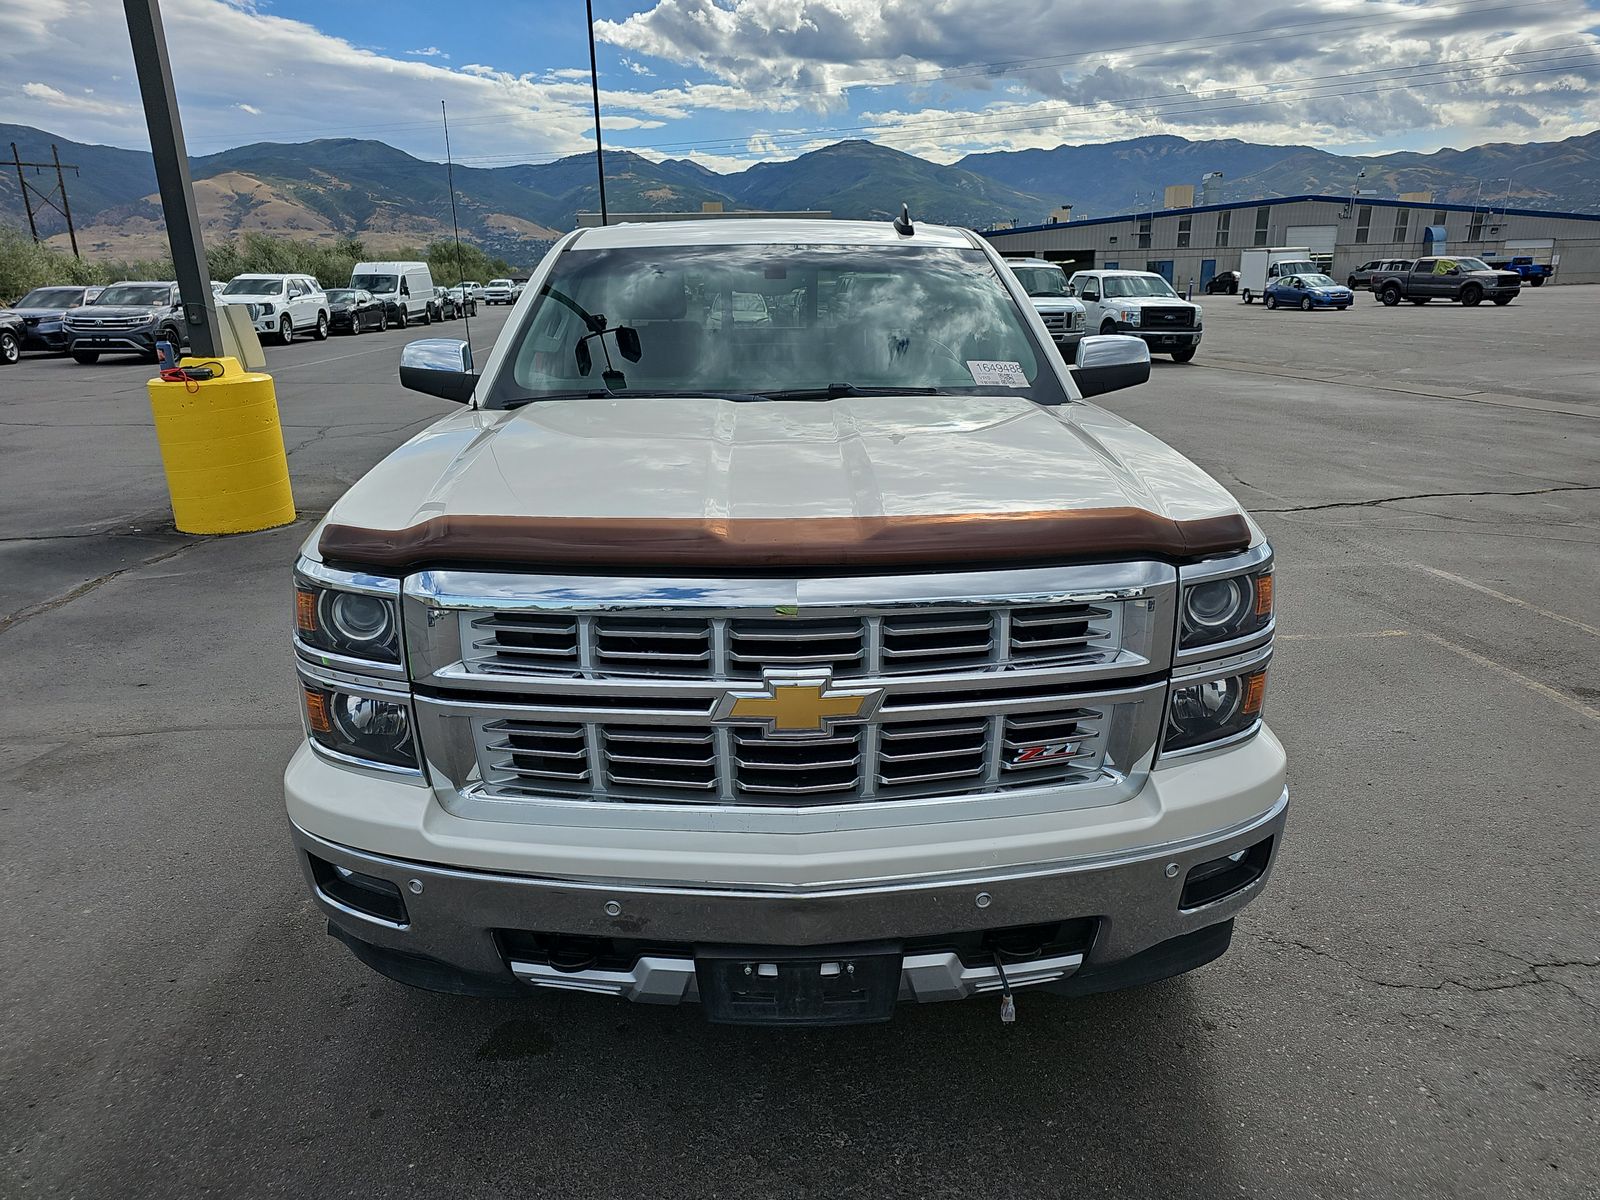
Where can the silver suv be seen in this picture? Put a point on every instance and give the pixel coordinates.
(1046, 285)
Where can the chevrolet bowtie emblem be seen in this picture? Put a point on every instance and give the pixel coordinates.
(798, 704)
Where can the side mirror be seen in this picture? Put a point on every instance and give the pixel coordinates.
(438, 367)
(1109, 363)
(1091, 296)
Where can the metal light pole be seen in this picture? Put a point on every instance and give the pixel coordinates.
(154, 69)
(594, 86)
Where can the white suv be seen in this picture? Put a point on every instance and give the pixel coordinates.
(284, 304)
(500, 291)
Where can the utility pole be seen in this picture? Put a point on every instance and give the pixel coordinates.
(154, 69)
(66, 209)
(32, 194)
(594, 84)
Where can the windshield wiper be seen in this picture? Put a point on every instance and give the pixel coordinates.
(625, 393)
(836, 390)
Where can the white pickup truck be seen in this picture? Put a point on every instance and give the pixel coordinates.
(794, 668)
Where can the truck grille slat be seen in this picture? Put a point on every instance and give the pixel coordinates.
(647, 646)
(641, 763)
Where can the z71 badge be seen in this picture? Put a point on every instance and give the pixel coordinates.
(1045, 753)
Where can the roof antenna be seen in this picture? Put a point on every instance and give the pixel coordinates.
(902, 223)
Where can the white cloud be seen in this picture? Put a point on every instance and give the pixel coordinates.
(249, 108)
(428, 52)
(1509, 68)
(309, 83)
(55, 98)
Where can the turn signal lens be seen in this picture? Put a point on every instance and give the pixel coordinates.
(1264, 594)
(1255, 693)
(305, 610)
(317, 711)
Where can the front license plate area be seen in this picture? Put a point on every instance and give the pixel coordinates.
(838, 986)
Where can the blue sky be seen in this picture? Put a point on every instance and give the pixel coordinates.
(730, 82)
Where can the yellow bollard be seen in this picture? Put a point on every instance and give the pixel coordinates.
(222, 448)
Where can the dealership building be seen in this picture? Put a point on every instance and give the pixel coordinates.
(1190, 245)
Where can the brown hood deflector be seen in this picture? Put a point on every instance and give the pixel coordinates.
(659, 543)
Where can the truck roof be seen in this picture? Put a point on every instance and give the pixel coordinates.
(759, 230)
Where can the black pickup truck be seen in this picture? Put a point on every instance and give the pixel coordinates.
(1468, 280)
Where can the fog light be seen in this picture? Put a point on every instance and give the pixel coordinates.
(366, 894)
(1221, 877)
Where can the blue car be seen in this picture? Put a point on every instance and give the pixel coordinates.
(1308, 292)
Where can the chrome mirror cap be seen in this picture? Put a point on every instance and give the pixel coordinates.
(1109, 363)
(438, 367)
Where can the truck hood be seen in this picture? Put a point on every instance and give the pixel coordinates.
(1150, 302)
(1057, 303)
(861, 461)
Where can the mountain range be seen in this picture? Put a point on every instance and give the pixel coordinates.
(344, 187)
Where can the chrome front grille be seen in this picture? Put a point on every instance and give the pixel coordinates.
(645, 645)
(99, 323)
(535, 694)
(625, 762)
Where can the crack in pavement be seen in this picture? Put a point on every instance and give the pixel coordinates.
(11, 620)
(1575, 487)
(1533, 976)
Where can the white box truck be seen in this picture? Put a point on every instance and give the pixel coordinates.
(1260, 265)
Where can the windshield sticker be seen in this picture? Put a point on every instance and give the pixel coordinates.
(996, 373)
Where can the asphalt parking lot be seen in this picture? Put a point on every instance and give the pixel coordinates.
(1409, 1011)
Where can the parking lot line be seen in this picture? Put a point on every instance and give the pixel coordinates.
(1501, 596)
(1544, 689)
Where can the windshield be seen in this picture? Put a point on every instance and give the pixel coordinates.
(51, 298)
(1317, 281)
(1042, 281)
(499, 283)
(1472, 264)
(253, 285)
(142, 295)
(1137, 285)
(755, 321)
(375, 283)
(338, 294)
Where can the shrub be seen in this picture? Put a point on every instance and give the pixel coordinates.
(24, 265)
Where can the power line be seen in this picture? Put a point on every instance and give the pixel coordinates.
(36, 199)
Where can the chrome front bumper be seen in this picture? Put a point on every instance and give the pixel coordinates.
(451, 916)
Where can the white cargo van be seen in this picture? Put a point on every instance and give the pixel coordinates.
(406, 289)
(1260, 265)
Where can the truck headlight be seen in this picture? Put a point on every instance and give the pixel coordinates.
(265, 309)
(1129, 316)
(354, 624)
(1212, 711)
(1220, 610)
(362, 727)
